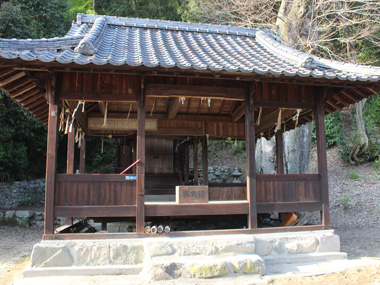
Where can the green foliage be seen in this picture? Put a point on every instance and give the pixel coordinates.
(345, 201)
(33, 18)
(98, 162)
(353, 175)
(333, 128)
(22, 143)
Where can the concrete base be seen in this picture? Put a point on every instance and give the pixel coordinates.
(163, 258)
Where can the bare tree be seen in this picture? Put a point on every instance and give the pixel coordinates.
(331, 29)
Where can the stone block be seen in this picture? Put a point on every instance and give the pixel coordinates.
(329, 244)
(159, 249)
(242, 247)
(9, 214)
(51, 256)
(161, 271)
(208, 269)
(248, 265)
(24, 214)
(93, 254)
(302, 246)
(263, 248)
(127, 254)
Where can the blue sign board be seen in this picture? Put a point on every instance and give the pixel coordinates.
(131, 177)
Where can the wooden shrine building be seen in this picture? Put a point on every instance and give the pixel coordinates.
(160, 84)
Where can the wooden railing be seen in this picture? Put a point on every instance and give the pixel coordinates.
(94, 195)
(227, 191)
(288, 192)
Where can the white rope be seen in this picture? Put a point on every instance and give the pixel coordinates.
(105, 115)
(278, 126)
(182, 100)
(129, 112)
(259, 117)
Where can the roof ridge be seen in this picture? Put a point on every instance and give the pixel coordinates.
(170, 25)
(310, 61)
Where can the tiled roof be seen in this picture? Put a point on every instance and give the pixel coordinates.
(118, 41)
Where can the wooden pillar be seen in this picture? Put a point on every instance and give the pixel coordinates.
(51, 157)
(187, 158)
(70, 151)
(250, 149)
(140, 167)
(322, 159)
(82, 158)
(205, 160)
(195, 163)
(280, 152)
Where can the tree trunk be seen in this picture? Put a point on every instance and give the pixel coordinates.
(361, 140)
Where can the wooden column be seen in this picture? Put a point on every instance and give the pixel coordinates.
(51, 157)
(280, 152)
(322, 159)
(70, 151)
(140, 167)
(187, 158)
(82, 158)
(205, 160)
(195, 163)
(250, 150)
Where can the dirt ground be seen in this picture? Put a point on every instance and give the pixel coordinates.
(355, 215)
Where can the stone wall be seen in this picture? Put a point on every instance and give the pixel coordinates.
(22, 194)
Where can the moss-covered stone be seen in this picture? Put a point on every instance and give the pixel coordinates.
(208, 270)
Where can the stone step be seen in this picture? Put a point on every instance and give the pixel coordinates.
(164, 268)
(83, 270)
(301, 258)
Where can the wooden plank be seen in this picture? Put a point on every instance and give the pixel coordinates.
(279, 104)
(238, 113)
(174, 106)
(205, 160)
(95, 211)
(176, 210)
(70, 151)
(140, 169)
(95, 97)
(289, 207)
(250, 154)
(212, 92)
(187, 162)
(23, 90)
(280, 152)
(322, 159)
(287, 177)
(91, 236)
(12, 78)
(51, 158)
(82, 156)
(195, 162)
(93, 177)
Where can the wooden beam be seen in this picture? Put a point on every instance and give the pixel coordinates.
(186, 166)
(140, 168)
(95, 97)
(322, 159)
(51, 158)
(195, 157)
(213, 208)
(238, 113)
(81, 117)
(268, 120)
(12, 78)
(174, 106)
(250, 154)
(280, 152)
(82, 157)
(70, 151)
(212, 92)
(95, 211)
(205, 160)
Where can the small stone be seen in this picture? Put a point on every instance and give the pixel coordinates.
(263, 248)
(160, 250)
(251, 265)
(24, 214)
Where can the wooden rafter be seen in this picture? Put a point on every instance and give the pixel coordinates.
(174, 106)
(238, 113)
(12, 78)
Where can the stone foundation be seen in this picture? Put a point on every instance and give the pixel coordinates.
(163, 258)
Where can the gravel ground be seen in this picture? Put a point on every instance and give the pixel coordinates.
(355, 215)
